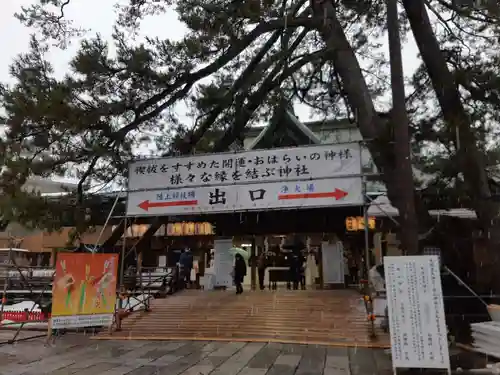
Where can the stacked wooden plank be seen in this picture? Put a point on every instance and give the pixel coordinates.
(486, 337)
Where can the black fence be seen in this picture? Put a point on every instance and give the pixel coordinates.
(34, 283)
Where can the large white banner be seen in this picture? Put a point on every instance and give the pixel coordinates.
(246, 167)
(416, 312)
(295, 194)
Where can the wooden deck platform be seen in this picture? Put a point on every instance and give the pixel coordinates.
(324, 317)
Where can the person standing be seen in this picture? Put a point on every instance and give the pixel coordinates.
(261, 269)
(295, 265)
(303, 266)
(353, 269)
(347, 279)
(239, 272)
(186, 262)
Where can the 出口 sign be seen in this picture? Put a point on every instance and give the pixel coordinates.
(241, 168)
(271, 195)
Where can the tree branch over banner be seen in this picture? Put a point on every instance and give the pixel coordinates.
(239, 84)
(235, 68)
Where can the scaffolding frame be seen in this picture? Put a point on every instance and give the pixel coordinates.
(366, 201)
(8, 267)
(124, 253)
(36, 298)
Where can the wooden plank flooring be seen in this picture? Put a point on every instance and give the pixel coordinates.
(328, 317)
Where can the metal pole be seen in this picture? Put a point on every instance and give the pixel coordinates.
(107, 219)
(366, 202)
(379, 206)
(407, 214)
(253, 256)
(23, 339)
(122, 263)
(367, 233)
(36, 301)
(6, 280)
(466, 286)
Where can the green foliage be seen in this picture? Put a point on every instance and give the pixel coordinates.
(236, 63)
(469, 40)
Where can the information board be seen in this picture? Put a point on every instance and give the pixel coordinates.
(416, 312)
(223, 263)
(333, 263)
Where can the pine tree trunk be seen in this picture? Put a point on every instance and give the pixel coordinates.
(373, 127)
(370, 124)
(470, 157)
(408, 217)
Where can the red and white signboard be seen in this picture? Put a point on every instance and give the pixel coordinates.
(256, 196)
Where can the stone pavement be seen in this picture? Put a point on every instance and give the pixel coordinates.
(78, 355)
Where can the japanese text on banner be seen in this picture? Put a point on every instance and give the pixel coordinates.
(246, 167)
(286, 194)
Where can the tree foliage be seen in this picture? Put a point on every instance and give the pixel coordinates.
(237, 61)
(88, 124)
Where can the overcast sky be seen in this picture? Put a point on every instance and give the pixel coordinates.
(98, 17)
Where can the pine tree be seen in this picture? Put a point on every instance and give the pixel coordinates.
(323, 53)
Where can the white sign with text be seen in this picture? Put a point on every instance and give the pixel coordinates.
(333, 263)
(416, 312)
(246, 167)
(223, 263)
(292, 194)
(80, 321)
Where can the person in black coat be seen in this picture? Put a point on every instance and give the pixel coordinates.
(240, 271)
(294, 270)
(186, 263)
(261, 269)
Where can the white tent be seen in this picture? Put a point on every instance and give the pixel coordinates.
(382, 207)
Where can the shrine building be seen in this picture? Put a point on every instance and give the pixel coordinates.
(160, 238)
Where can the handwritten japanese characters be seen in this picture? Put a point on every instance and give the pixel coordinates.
(315, 176)
(217, 197)
(257, 194)
(416, 312)
(246, 167)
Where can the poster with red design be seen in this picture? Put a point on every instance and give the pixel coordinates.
(84, 290)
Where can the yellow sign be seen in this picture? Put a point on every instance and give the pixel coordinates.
(84, 290)
(356, 223)
(190, 229)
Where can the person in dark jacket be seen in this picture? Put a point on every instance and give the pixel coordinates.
(261, 269)
(240, 271)
(186, 262)
(295, 265)
(302, 271)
